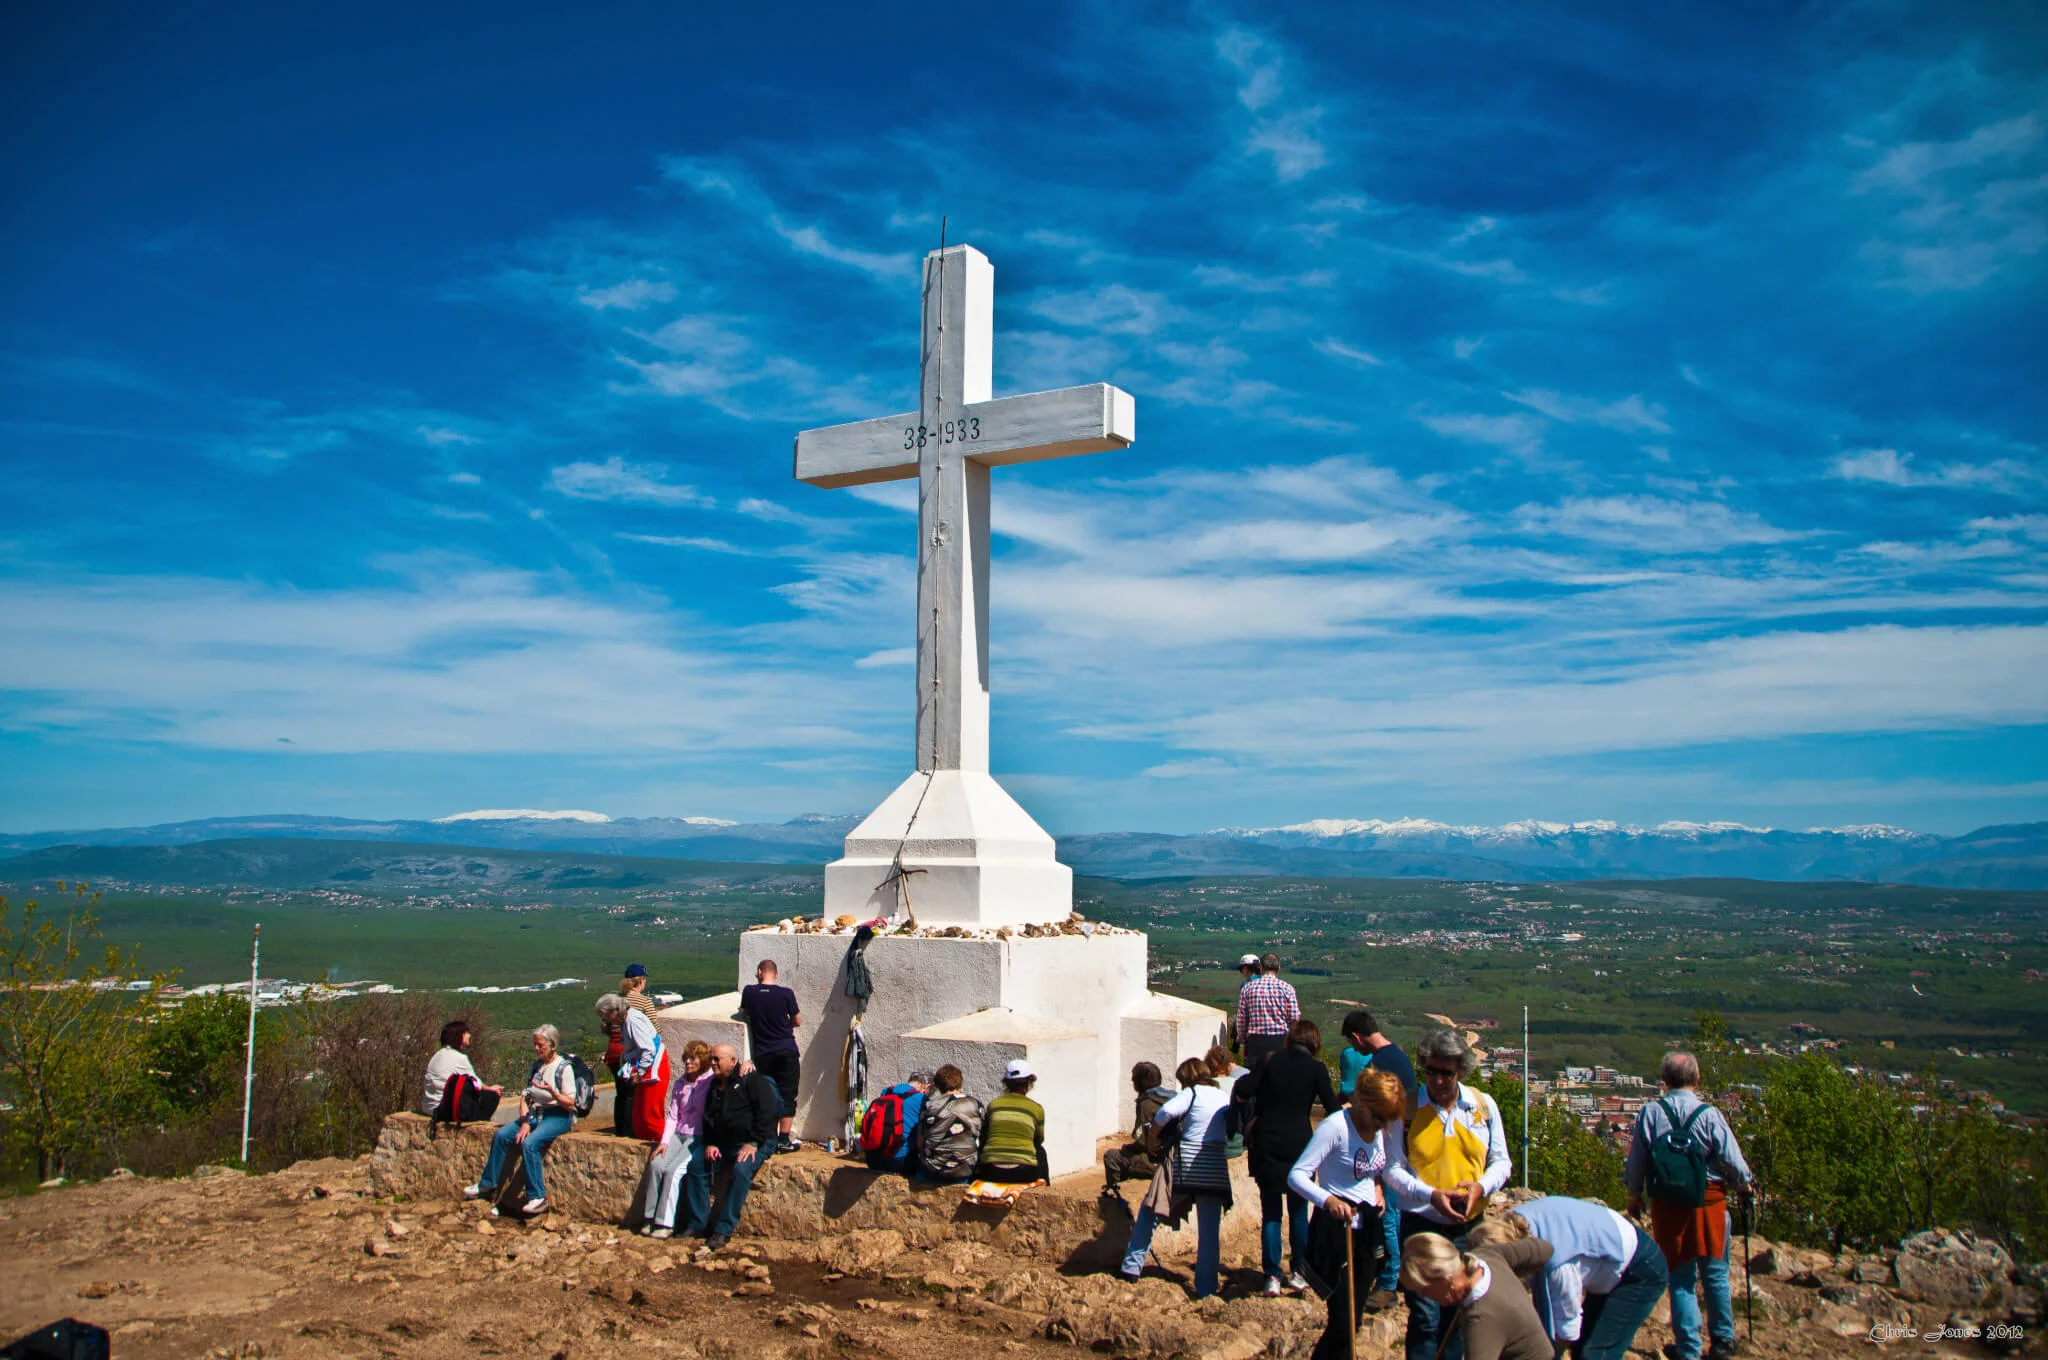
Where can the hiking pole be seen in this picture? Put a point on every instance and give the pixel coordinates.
(1351, 1299)
(1748, 1297)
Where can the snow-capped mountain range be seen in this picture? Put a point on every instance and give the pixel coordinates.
(2011, 857)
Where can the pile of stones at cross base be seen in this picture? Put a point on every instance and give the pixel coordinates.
(848, 924)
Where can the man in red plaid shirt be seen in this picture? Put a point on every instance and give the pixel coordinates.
(1266, 1007)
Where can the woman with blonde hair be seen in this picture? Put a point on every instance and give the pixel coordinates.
(1605, 1274)
(1484, 1303)
(678, 1144)
(1339, 1172)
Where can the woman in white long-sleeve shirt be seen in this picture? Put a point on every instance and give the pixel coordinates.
(1605, 1274)
(1201, 1172)
(1339, 1172)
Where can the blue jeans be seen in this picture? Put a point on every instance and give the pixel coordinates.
(1390, 1273)
(1274, 1199)
(1608, 1322)
(552, 1126)
(1685, 1307)
(1208, 1243)
(743, 1174)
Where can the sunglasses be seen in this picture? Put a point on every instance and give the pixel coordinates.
(1441, 1071)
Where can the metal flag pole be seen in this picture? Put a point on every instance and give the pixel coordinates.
(1525, 1097)
(249, 1064)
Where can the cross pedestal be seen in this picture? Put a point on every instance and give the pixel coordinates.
(949, 850)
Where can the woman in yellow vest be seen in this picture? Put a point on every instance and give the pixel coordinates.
(1453, 1155)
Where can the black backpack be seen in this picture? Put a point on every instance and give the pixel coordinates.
(1678, 1162)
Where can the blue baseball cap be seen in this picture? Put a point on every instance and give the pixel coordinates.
(636, 970)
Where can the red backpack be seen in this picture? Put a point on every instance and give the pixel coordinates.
(881, 1128)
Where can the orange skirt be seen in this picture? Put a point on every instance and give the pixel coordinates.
(1684, 1234)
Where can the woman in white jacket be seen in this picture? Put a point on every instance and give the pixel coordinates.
(1339, 1172)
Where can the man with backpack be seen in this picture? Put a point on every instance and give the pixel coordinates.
(739, 1133)
(1682, 1158)
(888, 1131)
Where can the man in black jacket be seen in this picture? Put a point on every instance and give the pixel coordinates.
(739, 1132)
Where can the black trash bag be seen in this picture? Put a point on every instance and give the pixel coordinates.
(66, 1340)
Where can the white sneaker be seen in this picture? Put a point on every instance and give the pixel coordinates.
(663, 1232)
(1297, 1284)
(473, 1191)
(1273, 1289)
(534, 1206)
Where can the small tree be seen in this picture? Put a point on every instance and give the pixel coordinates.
(68, 1047)
(1565, 1158)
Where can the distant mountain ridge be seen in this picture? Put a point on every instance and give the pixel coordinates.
(2007, 857)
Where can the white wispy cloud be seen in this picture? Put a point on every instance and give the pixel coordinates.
(1279, 126)
(809, 240)
(1337, 349)
(1651, 524)
(628, 295)
(1519, 433)
(615, 479)
(1630, 415)
(1889, 467)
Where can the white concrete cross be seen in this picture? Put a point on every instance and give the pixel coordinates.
(949, 444)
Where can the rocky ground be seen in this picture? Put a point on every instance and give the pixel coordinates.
(309, 1262)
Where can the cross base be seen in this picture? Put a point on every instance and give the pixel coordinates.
(970, 856)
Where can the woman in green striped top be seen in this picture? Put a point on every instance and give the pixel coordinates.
(1013, 1132)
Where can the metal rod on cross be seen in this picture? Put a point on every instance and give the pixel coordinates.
(1525, 1097)
(249, 1063)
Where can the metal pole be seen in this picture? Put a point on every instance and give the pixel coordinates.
(1350, 1292)
(249, 1064)
(1525, 1097)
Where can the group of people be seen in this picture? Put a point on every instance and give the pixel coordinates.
(1387, 1192)
(716, 1112)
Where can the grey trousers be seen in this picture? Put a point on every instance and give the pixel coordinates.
(665, 1174)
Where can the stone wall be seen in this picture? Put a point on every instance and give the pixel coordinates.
(803, 1197)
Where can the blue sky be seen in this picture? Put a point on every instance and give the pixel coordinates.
(1543, 410)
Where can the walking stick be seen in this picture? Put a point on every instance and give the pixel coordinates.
(1351, 1299)
(1748, 1298)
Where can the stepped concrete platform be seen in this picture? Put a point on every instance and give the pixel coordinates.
(810, 1195)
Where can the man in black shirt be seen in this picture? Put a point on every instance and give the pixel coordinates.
(739, 1127)
(772, 1020)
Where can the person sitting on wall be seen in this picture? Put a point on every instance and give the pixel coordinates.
(1134, 1161)
(1013, 1133)
(549, 1112)
(888, 1130)
(949, 1131)
(453, 1093)
(680, 1144)
(739, 1133)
